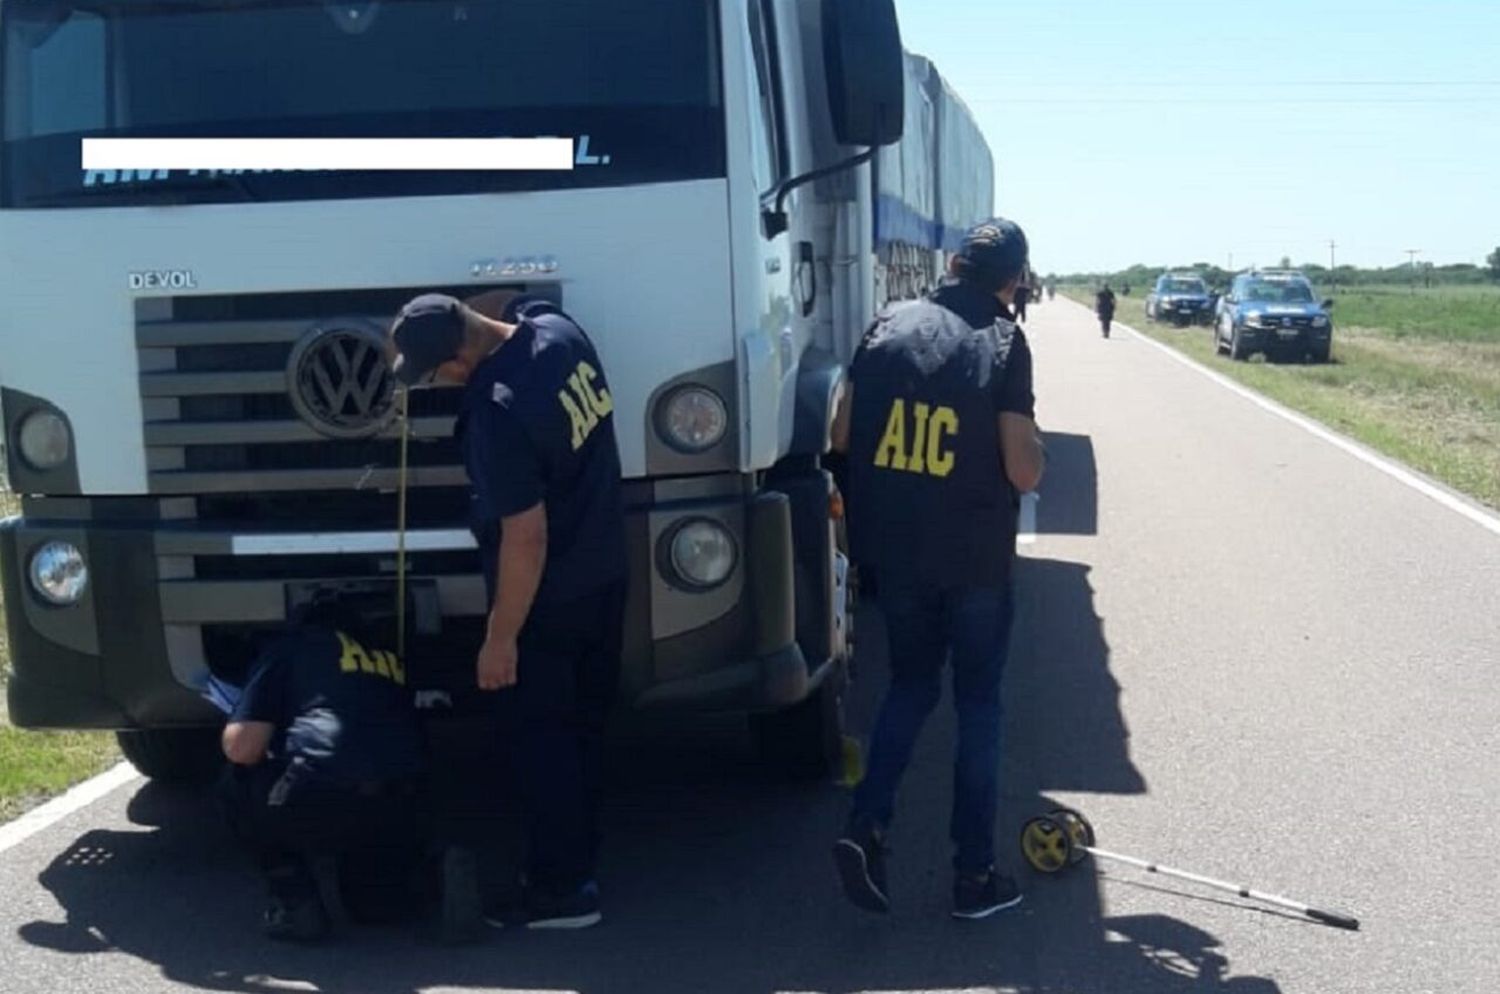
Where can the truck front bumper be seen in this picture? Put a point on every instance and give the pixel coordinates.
(173, 599)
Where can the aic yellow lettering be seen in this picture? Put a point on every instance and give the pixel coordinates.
(599, 400)
(944, 425)
(357, 659)
(354, 659)
(892, 451)
(584, 405)
(918, 440)
(927, 454)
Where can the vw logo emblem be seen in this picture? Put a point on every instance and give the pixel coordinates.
(1286, 322)
(340, 383)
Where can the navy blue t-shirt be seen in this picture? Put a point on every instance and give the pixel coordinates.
(341, 709)
(537, 426)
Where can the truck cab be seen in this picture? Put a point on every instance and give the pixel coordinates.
(197, 412)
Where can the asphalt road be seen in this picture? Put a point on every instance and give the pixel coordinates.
(1239, 650)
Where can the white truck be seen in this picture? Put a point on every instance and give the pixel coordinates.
(197, 411)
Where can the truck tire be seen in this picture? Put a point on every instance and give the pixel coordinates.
(188, 756)
(806, 740)
(1322, 353)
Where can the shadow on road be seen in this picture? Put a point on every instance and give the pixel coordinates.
(1070, 491)
(718, 881)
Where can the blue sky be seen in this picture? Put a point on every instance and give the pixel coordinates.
(1171, 132)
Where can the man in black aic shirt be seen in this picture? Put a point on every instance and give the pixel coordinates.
(537, 432)
(328, 762)
(938, 422)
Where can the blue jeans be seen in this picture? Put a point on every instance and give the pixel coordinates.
(924, 628)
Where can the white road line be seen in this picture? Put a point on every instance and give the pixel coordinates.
(38, 819)
(1449, 499)
(1026, 528)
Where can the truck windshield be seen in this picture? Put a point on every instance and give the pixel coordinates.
(639, 79)
(1183, 286)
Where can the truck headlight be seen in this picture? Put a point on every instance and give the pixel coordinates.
(702, 554)
(45, 440)
(1255, 320)
(1320, 321)
(59, 574)
(692, 419)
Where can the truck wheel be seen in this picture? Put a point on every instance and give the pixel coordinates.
(806, 740)
(174, 755)
(1322, 353)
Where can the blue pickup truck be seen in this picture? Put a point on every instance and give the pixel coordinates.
(1274, 313)
(1179, 298)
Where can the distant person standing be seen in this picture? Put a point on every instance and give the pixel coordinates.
(1021, 299)
(1104, 306)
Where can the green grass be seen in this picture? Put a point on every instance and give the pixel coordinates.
(36, 765)
(1443, 314)
(1416, 377)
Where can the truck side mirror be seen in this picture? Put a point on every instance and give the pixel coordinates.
(1328, 304)
(866, 71)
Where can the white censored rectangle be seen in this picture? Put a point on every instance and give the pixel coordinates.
(329, 153)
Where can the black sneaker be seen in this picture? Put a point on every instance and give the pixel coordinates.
(299, 920)
(860, 858)
(552, 910)
(982, 896)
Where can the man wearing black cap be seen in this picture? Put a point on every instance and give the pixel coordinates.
(537, 432)
(938, 421)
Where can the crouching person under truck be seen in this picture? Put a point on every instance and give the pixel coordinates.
(326, 787)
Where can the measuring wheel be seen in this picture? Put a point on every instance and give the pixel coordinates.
(1046, 845)
(1080, 832)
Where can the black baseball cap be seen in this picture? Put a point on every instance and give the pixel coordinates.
(428, 332)
(993, 253)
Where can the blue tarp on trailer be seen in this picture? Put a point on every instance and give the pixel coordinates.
(939, 180)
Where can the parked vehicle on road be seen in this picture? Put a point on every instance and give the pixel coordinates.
(1178, 298)
(1274, 313)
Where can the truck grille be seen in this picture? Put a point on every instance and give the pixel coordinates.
(225, 412)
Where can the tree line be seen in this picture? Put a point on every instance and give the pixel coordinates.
(1423, 274)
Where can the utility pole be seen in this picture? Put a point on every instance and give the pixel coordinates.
(1412, 254)
(1333, 268)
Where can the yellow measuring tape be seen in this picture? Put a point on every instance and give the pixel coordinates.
(403, 398)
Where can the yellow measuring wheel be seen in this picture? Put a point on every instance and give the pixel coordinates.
(1046, 845)
(1063, 838)
(1080, 832)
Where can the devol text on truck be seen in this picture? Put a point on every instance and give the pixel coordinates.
(198, 414)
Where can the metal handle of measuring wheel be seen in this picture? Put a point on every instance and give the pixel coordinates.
(1334, 918)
